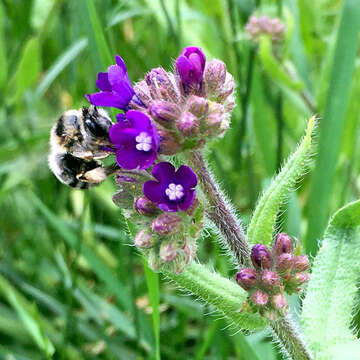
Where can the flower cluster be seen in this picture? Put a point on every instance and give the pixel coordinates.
(164, 114)
(260, 26)
(282, 270)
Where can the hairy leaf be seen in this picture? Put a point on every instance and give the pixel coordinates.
(262, 223)
(226, 296)
(327, 307)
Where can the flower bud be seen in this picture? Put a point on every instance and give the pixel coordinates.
(284, 262)
(270, 280)
(143, 239)
(188, 124)
(283, 244)
(246, 278)
(190, 67)
(169, 142)
(161, 85)
(142, 92)
(166, 224)
(154, 260)
(197, 105)
(227, 89)
(168, 251)
(279, 302)
(259, 298)
(261, 256)
(300, 278)
(165, 113)
(144, 206)
(264, 25)
(301, 263)
(123, 199)
(215, 75)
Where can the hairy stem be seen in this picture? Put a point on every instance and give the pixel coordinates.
(220, 213)
(290, 339)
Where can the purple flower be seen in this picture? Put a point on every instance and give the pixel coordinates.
(190, 66)
(173, 190)
(115, 86)
(135, 139)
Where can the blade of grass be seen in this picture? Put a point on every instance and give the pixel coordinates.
(99, 35)
(333, 122)
(152, 281)
(102, 270)
(60, 64)
(29, 315)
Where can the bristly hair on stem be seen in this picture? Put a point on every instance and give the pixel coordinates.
(220, 212)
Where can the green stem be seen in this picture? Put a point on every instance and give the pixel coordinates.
(290, 339)
(220, 212)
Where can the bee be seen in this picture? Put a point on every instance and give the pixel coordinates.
(77, 140)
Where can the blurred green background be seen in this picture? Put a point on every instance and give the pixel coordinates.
(72, 286)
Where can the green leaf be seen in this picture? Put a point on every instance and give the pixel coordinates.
(152, 281)
(274, 68)
(263, 220)
(29, 316)
(3, 58)
(226, 296)
(60, 64)
(28, 70)
(332, 290)
(333, 121)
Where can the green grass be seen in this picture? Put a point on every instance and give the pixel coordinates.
(70, 279)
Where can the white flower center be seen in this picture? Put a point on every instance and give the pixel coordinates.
(144, 142)
(174, 192)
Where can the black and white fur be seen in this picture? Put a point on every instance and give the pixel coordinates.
(76, 142)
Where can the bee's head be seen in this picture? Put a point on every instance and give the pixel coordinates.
(97, 122)
(68, 124)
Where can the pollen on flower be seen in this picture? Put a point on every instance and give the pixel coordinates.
(175, 191)
(144, 142)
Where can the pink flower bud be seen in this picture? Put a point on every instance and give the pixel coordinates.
(142, 92)
(215, 75)
(270, 280)
(164, 112)
(166, 224)
(261, 256)
(168, 251)
(161, 85)
(197, 105)
(284, 262)
(301, 278)
(246, 278)
(143, 239)
(279, 302)
(259, 298)
(188, 124)
(283, 244)
(144, 206)
(301, 263)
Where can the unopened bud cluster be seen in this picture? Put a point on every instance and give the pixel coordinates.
(276, 272)
(265, 26)
(190, 105)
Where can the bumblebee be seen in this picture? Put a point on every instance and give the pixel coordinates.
(77, 140)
